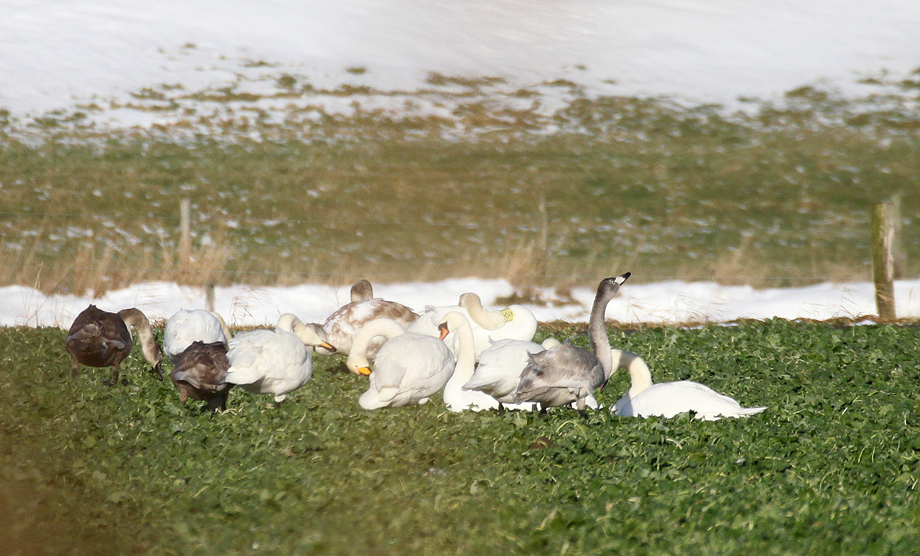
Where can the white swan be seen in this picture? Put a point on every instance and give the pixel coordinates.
(568, 374)
(340, 327)
(196, 325)
(456, 396)
(500, 367)
(514, 322)
(667, 399)
(273, 362)
(408, 369)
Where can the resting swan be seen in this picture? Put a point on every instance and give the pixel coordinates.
(667, 399)
(565, 374)
(456, 396)
(340, 327)
(499, 369)
(273, 362)
(98, 338)
(408, 369)
(196, 325)
(513, 322)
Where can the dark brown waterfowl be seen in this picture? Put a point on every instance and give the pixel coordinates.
(201, 374)
(98, 338)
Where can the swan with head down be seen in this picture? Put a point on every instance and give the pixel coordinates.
(99, 338)
(409, 367)
(275, 362)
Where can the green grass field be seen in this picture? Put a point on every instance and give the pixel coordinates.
(831, 467)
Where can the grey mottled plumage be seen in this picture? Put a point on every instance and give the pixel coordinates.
(567, 374)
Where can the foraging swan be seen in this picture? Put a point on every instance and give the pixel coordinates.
(201, 374)
(667, 399)
(514, 322)
(186, 327)
(408, 369)
(362, 290)
(566, 373)
(98, 338)
(456, 396)
(340, 327)
(273, 362)
(500, 366)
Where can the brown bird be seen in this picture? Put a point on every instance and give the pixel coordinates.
(201, 374)
(98, 338)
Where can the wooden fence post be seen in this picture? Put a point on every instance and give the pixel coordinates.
(185, 242)
(882, 259)
(544, 240)
(210, 296)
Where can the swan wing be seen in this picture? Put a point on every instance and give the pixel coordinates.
(500, 367)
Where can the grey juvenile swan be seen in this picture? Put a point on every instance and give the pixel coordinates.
(566, 373)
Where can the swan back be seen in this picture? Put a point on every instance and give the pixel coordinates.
(187, 326)
(667, 399)
(560, 376)
(269, 362)
(500, 367)
(409, 369)
(341, 327)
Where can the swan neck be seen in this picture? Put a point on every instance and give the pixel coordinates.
(465, 366)
(136, 320)
(640, 377)
(388, 328)
(490, 320)
(597, 332)
(223, 327)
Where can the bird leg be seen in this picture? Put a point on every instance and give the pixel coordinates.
(115, 372)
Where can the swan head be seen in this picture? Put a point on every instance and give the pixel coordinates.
(362, 290)
(610, 286)
(312, 335)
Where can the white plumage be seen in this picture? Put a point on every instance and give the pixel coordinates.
(340, 327)
(667, 399)
(514, 322)
(408, 369)
(273, 362)
(196, 325)
(500, 367)
(456, 397)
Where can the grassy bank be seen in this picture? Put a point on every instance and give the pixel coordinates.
(830, 468)
(777, 195)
